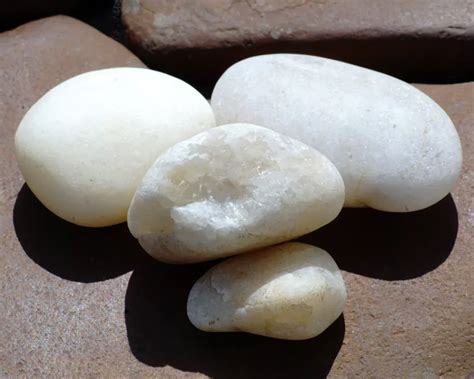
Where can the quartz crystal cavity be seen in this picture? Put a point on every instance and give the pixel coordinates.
(232, 189)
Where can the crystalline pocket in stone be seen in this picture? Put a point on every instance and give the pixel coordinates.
(232, 189)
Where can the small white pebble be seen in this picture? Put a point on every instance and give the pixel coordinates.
(291, 291)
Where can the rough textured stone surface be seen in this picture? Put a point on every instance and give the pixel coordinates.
(43, 333)
(199, 39)
(232, 189)
(409, 310)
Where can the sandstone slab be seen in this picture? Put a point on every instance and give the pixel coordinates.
(199, 40)
(409, 311)
(40, 274)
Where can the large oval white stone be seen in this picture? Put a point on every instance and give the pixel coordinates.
(84, 147)
(232, 189)
(395, 148)
(292, 291)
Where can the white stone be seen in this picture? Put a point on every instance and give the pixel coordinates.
(232, 189)
(291, 291)
(395, 148)
(84, 147)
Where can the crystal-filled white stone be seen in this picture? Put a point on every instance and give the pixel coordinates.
(291, 291)
(84, 147)
(232, 189)
(395, 148)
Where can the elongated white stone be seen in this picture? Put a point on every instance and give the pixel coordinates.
(291, 291)
(232, 189)
(395, 148)
(84, 146)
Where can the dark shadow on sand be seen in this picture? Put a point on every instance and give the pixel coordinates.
(390, 246)
(160, 333)
(69, 251)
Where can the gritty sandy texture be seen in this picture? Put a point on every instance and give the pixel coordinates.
(46, 329)
(409, 311)
(198, 39)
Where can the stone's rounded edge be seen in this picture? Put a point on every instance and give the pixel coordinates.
(320, 60)
(227, 92)
(127, 69)
(35, 159)
(229, 24)
(132, 227)
(447, 183)
(138, 203)
(266, 293)
(73, 47)
(66, 29)
(161, 231)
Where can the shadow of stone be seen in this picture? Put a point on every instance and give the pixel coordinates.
(160, 333)
(390, 246)
(70, 251)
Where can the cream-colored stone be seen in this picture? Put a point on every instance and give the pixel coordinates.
(395, 148)
(232, 189)
(86, 144)
(291, 291)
